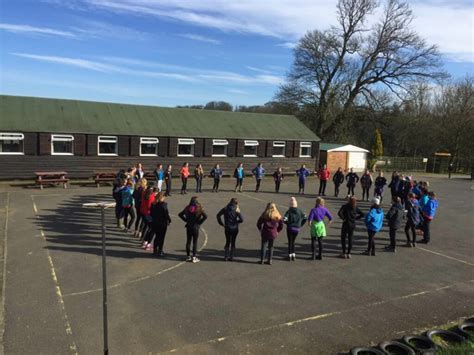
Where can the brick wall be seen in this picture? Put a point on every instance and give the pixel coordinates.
(336, 160)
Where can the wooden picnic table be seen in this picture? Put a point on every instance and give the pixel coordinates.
(104, 176)
(51, 177)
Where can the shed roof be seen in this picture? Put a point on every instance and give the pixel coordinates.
(348, 148)
(329, 146)
(33, 114)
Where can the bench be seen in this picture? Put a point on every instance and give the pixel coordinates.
(104, 177)
(51, 177)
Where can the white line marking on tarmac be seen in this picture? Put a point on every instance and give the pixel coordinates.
(141, 278)
(313, 318)
(59, 295)
(4, 283)
(446, 256)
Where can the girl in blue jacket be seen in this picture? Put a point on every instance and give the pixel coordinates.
(374, 222)
(428, 211)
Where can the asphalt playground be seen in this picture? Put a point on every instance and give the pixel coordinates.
(52, 295)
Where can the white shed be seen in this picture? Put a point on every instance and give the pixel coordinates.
(344, 156)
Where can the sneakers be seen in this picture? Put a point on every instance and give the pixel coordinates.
(195, 260)
(342, 256)
(144, 245)
(348, 256)
(189, 259)
(149, 247)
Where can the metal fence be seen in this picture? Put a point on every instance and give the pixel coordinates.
(419, 164)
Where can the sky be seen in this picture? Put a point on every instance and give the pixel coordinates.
(184, 52)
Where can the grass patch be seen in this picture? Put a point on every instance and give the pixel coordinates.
(454, 349)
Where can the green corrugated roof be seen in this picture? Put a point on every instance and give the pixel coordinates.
(329, 146)
(32, 114)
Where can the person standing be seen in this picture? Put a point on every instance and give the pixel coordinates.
(138, 193)
(318, 228)
(349, 213)
(232, 219)
(160, 220)
(239, 177)
(395, 217)
(394, 185)
(145, 210)
(302, 174)
(216, 174)
(139, 173)
(338, 179)
(194, 216)
(184, 173)
(450, 169)
(380, 183)
(269, 224)
(373, 222)
(413, 219)
(428, 211)
(118, 187)
(259, 173)
(324, 174)
(159, 176)
(294, 219)
(128, 205)
(199, 175)
(168, 179)
(366, 181)
(278, 177)
(352, 179)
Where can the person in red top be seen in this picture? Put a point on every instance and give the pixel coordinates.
(184, 172)
(145, 210)
(324, 174)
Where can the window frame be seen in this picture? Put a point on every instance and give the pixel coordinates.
(62, 138)
(4, 136)
(279, 144)
(107, 139)
(305, 145)
(151, 140)
(251, 143)
(185, 141)
(220, 142)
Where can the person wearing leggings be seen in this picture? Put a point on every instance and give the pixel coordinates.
(302, 174)
(232, 219)
(194, 216)
(160, 220)
(373, 222)
(117, 195)
(259, 173)
(395, 217)
(198, 176)
(366, 181)
(317, 227)
(216, 174)
(338, 179)
(349, 213)
(294, 219)
(413, 219)
(352, 179)
(127, 204)
(324, 174)
(277, 178)
(270, 225)
(168, 179)
(137, 197)
(184, 172)
(239, 177)
(145, 209)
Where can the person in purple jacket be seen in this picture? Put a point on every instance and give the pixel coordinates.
(318, 228)
(269, 224)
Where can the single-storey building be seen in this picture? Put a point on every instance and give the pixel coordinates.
(344, 156)
(81, 137)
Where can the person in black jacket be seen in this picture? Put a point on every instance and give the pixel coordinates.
(352, 179)
(194, 216)
(395, 217)
(338, 179)
(168, 179)
(232, 219)
(349, 213)
(160, 220)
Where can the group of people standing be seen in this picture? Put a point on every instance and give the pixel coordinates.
(145, 208)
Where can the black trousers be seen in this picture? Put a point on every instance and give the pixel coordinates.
(215, 187)
(160, 234)
(322, 187)
(239, 183)
(365, 193)
(184, 185)
(291, 235)
(257, 186)
(199, 184)
(301, 185)
(263, 250)
(277, 185)
(192, 235)
(230, 237)
(425, 227)
(320, 247)
(410, 227)
(118, 211)
(371, 246)
(347, 232)
(168, 187)
(336, 189)
(350, 190)
(138, 218)
(392, 232)
(128, 211)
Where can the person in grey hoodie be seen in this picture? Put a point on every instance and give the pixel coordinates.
(232, 219)
(294, 219)
(395, 217)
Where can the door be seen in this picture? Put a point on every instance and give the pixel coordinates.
(357, 160)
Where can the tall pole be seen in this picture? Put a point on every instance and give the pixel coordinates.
(104, 285)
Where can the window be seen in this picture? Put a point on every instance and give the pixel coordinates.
(62, 144)
(279, 148)
(305, 149)
(219, 147)
(250, 148)
(186, 147)
(11, 143)
(107, 145)
(149, 147)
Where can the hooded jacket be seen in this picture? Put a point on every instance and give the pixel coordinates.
(429, 209)
(352, 179)
(338, 178)
(324, 174)
(374, 219)
(269, 229)
(366, 181)
(259, 172)
(350, 214)
(232, 218)
(413, 212)
(395, 216)
(302, 173)
(191, 218)
(160, 214)
(295, 218)
(127, 197)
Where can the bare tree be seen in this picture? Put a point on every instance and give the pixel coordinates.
(336, 69)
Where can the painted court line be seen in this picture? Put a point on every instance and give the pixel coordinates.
(314, 318)
(4, 283)
(59, 295)
(446, 256)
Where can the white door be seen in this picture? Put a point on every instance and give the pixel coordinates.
(357, 160)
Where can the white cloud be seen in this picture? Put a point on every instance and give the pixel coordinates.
(75, 62)
(200, 38)
(289, 45)
(32, 30)
(103, 30)
(237, 91)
